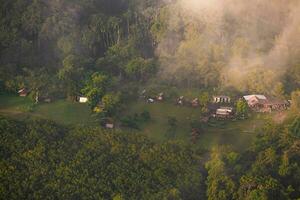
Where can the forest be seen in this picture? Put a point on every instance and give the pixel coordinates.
(44, 160)
(119, 99)
(66, 48)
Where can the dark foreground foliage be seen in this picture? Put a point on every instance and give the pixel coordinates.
(42, 160)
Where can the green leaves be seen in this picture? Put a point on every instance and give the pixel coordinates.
(42, 160)
(295, 127)
(242, 108)
(96, 87)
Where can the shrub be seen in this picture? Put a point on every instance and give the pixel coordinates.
(145, 116)
(130, 122)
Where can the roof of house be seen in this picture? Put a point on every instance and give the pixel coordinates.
(226, 108)
(258, 96)
(222, 112)
(276, 101)
(222, 96)
(22, 90)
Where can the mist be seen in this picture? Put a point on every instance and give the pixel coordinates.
(245, 44)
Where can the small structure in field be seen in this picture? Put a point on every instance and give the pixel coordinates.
(83, 99)
(221, 99)
(261, 103)
(23, 92)
(160, 97)
(195, 102)
(253, 99)
(109, 125)
(224, 112)
(180, 100)
(150, 100)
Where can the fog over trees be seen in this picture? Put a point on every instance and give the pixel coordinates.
(147, 71)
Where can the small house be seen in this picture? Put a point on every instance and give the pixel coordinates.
(109, 125)
(180, 100)
(160, 96)
(23, 92)
(224, 112)
(261, 103)
(150, 100)
(221, 99)
(195, 102)
(83, 99)
(255, 99)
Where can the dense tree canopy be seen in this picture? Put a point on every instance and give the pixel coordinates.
(42, 160)
(125, 39)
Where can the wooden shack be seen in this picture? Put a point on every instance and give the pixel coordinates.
(224, 112)
(195, 102)
(23, 92)
(260, 103)
(180, 100)
(160, 96)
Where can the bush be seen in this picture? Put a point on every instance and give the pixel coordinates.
(145, 116)
(130, 122)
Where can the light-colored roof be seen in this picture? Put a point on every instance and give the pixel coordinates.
(22, 90)
(226, 108)
(258, 96)
(229, 110)
(222, 112)
(221, 96)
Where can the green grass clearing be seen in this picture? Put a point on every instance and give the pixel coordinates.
(237, 133)
(61, 111)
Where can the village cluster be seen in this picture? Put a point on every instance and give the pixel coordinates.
(222, 106)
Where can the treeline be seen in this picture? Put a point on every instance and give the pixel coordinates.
(56, 48)
(42, 160)
(224, 44)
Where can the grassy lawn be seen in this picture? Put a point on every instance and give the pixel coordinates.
(237, 133)
(65, 112)
(14, 104)
(60, 111)
(160, 112)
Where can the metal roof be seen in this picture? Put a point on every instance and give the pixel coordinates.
(258, 96)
